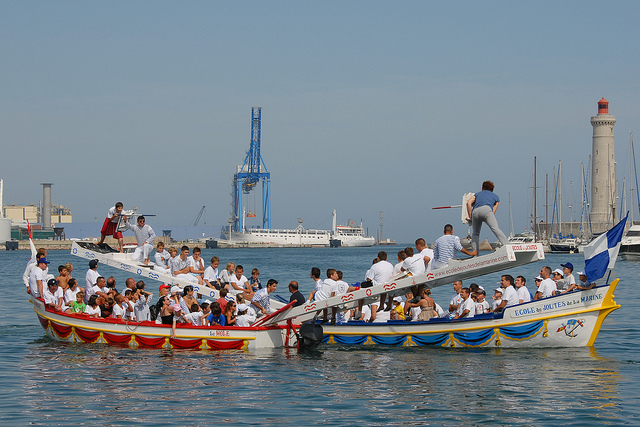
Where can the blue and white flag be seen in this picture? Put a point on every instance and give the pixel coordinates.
(601, 253)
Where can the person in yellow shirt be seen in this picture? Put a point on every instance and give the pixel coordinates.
(397, 313)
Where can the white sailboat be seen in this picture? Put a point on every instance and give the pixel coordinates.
(630, 245)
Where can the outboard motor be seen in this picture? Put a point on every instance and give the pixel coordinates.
(309, 336)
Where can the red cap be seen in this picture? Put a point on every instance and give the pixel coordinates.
(164, 286)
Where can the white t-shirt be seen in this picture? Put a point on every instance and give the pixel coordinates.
(382, 316)
(380, 272)
(118, 311)
(328, 287)
(112, 212)
(210, 274)
(414, 264)
(495, 304)
(397, 268)
(467, 304)
(197, 264)
(547, 286)
(92, 291)
(482, 307)
(141, 309)
(366, 312)
(70, 295)
(239, 283)
(90, 310)
(131, 315)
(427, 252)
(91, 278)
(27, 271)
(54, 298)
(162, 259)
(523, 294)
(245, 319)
(342, 287)
(511, 295)
(194, 318)
(439, 310)
(37, 274)
(456, 300)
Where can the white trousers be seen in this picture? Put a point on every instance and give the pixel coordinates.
(142, 252)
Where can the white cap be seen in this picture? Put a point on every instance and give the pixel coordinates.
(560, 272)
(498, 290)
(175, 289)
(539, 278)
(398, 299)
(243, 307)
(480, 287)
(581, 273)
(207, 301)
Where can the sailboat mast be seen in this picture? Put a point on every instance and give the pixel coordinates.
(582, 208)
(535, 201)
(510, 219)
(560, 217)
(546, 206)
(631, 172)
(571, 207)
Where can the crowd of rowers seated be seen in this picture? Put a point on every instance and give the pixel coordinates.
(174, 305)
(466, 303)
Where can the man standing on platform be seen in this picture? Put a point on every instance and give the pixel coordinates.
(110, 226)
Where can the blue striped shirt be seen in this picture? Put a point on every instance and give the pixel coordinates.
(445, 248)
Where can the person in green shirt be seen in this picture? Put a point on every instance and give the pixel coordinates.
(78, 306)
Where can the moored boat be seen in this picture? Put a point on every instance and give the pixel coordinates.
(630, 245)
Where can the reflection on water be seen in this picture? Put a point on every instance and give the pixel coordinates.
(69, 383)
(46, 382)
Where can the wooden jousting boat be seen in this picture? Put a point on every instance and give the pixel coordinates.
(567, 320)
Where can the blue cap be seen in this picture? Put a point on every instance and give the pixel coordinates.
(43, 259)
(568, 265)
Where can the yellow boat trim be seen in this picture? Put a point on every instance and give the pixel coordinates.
(369, 341)
(482, 344)
(145, 334)
(608, 299)
(409, 342)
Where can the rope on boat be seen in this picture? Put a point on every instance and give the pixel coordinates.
(126, 325)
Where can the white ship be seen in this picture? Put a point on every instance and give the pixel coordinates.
(260, 237)
(350, 235)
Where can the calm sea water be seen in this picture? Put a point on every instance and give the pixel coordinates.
(46, 382)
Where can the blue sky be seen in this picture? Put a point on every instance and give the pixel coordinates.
(367, 106)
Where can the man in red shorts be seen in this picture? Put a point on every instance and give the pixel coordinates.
(110, 226)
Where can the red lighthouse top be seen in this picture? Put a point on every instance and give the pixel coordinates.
(603, 106)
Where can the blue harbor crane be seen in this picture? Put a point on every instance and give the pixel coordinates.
(247, 176)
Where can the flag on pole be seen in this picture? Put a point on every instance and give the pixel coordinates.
(601, 253)
(33, 247)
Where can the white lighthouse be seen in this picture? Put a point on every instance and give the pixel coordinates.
(603, 171)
